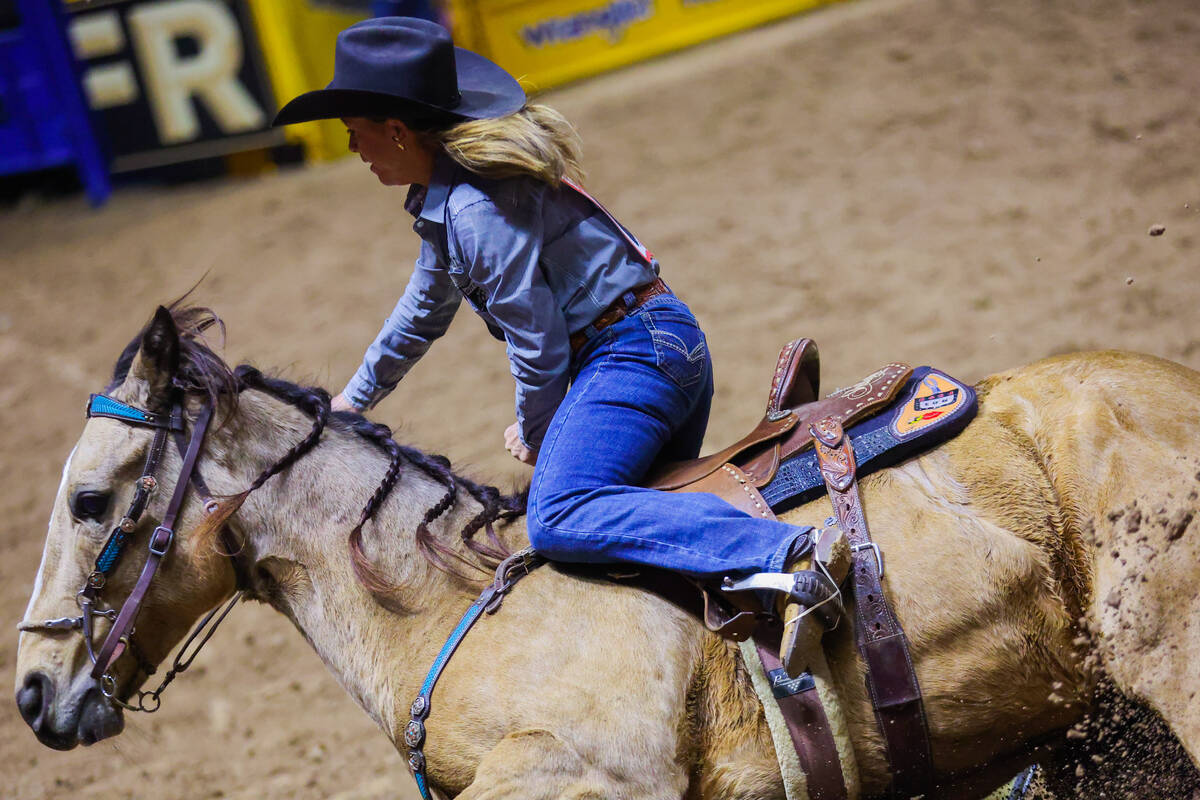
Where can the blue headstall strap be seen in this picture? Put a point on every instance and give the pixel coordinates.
(101, 405)
(511, 570)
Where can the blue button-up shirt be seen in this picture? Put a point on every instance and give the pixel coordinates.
(535, 262)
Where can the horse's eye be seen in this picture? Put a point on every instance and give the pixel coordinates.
(89, 505)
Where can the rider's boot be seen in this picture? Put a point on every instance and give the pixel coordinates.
(819, 572)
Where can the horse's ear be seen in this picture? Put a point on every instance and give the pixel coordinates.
(158, 357)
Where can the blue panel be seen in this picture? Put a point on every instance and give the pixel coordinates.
(875, 445)
(44, 120)
(102, 405)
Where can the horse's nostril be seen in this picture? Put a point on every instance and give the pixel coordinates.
(34, 698)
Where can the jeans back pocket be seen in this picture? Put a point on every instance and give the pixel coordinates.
(679, 345)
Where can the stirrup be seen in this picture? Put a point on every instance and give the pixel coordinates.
(809, 588)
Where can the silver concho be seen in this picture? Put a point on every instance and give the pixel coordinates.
(414, 734)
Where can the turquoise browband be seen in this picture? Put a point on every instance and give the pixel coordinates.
(100, 405)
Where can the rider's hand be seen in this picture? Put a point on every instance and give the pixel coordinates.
(512, 441)
(340, 403)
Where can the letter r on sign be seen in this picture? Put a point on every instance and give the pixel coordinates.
(210, 74)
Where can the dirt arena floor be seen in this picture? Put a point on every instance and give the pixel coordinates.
(963, 183)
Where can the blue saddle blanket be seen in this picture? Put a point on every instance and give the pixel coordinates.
(930, 408)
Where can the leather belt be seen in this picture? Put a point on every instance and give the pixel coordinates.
(618, 310)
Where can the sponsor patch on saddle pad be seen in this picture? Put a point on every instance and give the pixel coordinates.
(931, 408)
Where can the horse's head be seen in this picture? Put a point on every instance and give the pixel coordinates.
(117, 488)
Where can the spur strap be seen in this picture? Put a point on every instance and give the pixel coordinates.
(891, 679)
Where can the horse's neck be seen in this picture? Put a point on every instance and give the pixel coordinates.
(297, 526)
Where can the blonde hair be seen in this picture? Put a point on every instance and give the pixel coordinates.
(536, 141)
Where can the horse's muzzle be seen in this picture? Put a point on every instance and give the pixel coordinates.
(91, 720)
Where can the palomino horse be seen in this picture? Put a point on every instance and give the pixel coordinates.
(1013, 562)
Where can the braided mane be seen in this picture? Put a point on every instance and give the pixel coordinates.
(202, 371)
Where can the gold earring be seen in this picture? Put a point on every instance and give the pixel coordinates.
(399, 144)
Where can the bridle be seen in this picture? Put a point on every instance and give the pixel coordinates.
(120, 638)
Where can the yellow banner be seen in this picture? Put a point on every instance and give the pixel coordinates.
(549, 42)
(297, 38)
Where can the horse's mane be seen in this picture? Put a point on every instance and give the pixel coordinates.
(201, 371)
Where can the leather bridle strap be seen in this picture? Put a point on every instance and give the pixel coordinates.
(114, 548)
(160, 544)
(891, 679)
(511, 570)
(228, 541)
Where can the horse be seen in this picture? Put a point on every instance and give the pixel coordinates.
(1046, 550)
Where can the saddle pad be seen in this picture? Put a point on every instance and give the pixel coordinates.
(931, 408)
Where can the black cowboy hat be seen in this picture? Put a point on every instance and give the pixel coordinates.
(408, 69)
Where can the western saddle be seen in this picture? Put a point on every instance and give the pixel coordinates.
(738, 472)
(794, 421)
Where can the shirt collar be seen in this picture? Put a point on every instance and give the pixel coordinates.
(415, 199)
(429, 202)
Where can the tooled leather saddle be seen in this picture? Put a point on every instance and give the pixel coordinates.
(795, 421)
(738, 472)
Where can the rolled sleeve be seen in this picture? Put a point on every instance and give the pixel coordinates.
(501, 250)
(422, 314)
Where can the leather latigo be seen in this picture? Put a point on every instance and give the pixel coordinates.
(891, 677)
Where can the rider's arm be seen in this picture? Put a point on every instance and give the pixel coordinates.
(422, 314)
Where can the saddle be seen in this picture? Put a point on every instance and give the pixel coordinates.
(796, 421)
(738, 473)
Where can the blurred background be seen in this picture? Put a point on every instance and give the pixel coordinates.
(966, 183)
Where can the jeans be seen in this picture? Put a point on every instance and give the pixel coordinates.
(641, 392)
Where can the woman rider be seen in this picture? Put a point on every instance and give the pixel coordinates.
(612, 371)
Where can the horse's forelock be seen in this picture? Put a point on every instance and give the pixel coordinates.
(200, 369)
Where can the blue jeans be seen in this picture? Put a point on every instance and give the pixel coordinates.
(641, 392)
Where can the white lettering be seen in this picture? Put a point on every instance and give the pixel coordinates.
(96, 35)
(210, 74)
(110, 85)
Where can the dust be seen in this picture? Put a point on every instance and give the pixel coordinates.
(1119, 749)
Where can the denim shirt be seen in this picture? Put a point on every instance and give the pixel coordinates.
(535, 262)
